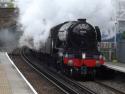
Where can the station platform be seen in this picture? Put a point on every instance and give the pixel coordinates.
(11, 81)
(116, 66)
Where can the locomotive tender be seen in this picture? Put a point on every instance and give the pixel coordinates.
(74, 47)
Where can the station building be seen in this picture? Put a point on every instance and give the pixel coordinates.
(120, 19)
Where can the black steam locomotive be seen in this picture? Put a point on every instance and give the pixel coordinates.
(73, 45)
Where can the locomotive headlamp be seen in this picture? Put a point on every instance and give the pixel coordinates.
(97, 63)
(60, 54)
(70, 62)
(104, 58)
(100, 57)
(83, 55)
(66, 55)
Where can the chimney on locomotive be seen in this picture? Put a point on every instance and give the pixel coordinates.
(82, 20)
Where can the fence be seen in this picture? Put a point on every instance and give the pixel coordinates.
(109, 50)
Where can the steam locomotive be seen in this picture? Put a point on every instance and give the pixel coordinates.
(73, 45)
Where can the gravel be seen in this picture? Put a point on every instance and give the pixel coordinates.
(118, 82)
(97, 88)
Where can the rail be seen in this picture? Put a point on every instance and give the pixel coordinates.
(66, 85)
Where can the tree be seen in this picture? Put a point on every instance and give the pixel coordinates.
(10, 5)
(123, 35)
(6, 3)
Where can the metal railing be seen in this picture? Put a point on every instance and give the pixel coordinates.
(108, 49)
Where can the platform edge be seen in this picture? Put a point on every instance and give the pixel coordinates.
(28, 83)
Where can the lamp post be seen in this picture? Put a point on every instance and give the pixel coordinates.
(115, 39)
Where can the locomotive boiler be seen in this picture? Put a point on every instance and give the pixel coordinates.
(73, 45)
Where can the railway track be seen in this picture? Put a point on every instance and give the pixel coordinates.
(97, 84)
(40, 83)
(66, 85)
(100, 87)
(109, 87)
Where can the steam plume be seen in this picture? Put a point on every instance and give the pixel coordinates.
(38, 16)
(9, 39)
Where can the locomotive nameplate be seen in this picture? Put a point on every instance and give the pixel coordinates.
(83, 26)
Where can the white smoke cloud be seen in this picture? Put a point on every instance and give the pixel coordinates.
(9, 39)
(38, 16)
